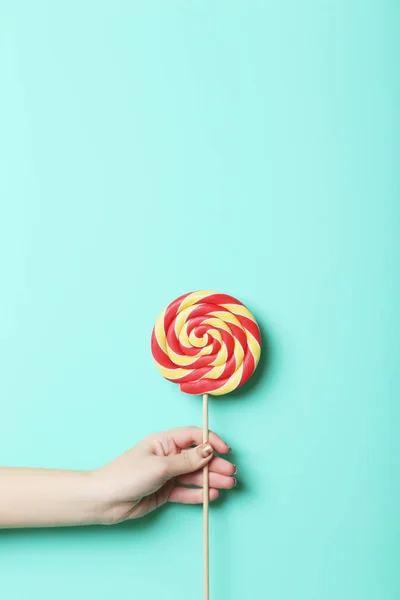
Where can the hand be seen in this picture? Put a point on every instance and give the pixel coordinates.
(157, 469)
(151, 473)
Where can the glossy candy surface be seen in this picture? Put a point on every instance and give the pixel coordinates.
(207, 342)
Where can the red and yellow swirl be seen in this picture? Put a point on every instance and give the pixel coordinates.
(207, 342)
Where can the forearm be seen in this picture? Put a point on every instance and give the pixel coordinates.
(48, 498)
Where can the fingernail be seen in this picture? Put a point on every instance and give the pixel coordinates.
(229, 449)
(235, 481)
(235, 471)
(205, 450)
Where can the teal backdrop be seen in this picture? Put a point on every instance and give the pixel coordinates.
(151, 148)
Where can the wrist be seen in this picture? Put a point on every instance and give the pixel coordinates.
(87, 498)
(101, 497)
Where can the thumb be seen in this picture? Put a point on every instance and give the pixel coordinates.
(189, 460)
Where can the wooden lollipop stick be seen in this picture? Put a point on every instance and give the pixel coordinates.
(205, 500)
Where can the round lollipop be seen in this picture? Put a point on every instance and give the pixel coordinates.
(209, 343)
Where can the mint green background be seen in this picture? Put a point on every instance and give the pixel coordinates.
(148, 149)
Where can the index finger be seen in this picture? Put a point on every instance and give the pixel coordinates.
(187, 436)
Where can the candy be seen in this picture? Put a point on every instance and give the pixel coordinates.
(207, 342)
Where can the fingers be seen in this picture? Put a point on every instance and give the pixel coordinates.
(220, 465)
(187, 436)
(187, 461)
(190, 496)
(215, 480)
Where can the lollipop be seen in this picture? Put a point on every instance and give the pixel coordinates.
(208, 343)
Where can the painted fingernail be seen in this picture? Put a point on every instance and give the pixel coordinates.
(205, 450)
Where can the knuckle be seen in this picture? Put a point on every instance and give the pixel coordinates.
(163, 470)
(188, 458)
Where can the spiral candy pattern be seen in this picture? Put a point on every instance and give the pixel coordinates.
(207, 342)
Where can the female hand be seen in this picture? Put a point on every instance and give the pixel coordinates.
(148, 475)
(157, 470)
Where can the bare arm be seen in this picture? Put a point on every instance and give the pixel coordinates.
(155, 471)
(47, 498)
